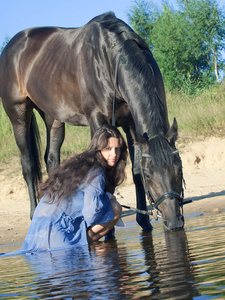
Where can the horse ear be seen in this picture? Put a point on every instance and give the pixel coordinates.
(138, 139)
(172, 133)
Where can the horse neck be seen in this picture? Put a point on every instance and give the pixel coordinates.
(146, 102)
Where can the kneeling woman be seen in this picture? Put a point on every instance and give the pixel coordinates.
(77, 205)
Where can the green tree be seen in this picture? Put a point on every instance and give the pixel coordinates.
(187, 42)
(7, 39)
(207, 30)
(169, 47)
(141, 17)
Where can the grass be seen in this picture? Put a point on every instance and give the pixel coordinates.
(8, 146)
(76, 140)
(198, 116)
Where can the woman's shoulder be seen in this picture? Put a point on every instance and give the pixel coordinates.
(95, 172)
(95, 176)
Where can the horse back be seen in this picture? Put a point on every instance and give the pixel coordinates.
(40, 64)
(68, 73)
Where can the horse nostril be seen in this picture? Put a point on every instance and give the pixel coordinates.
(171, 226)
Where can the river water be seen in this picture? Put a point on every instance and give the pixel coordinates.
(189, 264)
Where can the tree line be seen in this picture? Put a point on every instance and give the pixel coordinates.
(7, 39)
(187, 41)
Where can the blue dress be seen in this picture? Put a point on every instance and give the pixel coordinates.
(61, 226)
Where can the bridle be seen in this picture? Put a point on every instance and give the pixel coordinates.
(168, 195)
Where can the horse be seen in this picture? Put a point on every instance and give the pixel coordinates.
(100, 73)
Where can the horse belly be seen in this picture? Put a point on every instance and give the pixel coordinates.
(65, 115)
(61, 100)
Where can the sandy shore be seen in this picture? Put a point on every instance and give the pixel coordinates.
(204, 170)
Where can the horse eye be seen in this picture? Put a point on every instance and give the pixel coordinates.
(147, 176)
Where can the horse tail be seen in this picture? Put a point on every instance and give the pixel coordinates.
(36, 152)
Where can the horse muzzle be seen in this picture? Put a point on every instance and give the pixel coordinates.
(175, 220)
(174, 224)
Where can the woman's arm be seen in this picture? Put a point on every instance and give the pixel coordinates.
(97, 206)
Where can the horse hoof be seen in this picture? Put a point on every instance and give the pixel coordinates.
(148, 228)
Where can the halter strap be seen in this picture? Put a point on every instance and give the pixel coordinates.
(114, 99)
(114, 110)
(167, 195)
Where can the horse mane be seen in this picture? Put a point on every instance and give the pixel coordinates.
(137, 58)
(110, 22)
(160, 151)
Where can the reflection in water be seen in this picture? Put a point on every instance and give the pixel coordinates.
(158, 265)
(171, 274)
(77, 273)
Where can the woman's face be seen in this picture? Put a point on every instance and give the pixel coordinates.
(111, 153)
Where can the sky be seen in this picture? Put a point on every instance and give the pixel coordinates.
(16, 15)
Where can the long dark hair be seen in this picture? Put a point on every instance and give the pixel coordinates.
(65, 180)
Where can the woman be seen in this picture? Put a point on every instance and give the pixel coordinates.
(77, 205)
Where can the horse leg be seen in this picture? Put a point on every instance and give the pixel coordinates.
(26, 131)
(142, 220)
(55, 134)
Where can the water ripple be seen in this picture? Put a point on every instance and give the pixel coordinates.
(188, 264)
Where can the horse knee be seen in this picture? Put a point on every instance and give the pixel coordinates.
(52, 162)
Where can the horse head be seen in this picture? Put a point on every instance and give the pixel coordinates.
(161, 170)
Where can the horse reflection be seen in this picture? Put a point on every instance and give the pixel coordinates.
(171, 274)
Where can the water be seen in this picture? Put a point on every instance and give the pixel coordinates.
(182, 265)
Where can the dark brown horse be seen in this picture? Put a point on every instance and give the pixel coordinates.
(77, 76)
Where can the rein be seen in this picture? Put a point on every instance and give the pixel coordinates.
(114, 110)
(114, 99)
